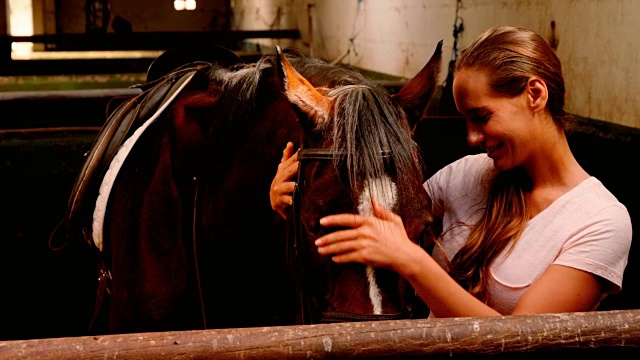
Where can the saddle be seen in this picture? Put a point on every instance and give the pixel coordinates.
(123, 124)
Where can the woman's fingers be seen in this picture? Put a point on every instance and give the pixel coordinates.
(355, 220)
(285, 194)
(345, 258)
(329, 241)
(383, 213)
(288, 150)
(288, 188)
(281, 196)
(289, 156)
(339, 247)
(348, 220)
(380, 211)
(281, 190)
(287, 169)
(345, 246)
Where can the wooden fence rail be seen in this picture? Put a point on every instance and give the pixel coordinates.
(511, 336)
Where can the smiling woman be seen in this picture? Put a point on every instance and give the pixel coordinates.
(517, 239)
(524, 224)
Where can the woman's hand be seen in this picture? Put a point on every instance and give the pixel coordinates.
(380, 240)
(281, 191)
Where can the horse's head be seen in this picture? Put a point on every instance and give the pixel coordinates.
(356, 146)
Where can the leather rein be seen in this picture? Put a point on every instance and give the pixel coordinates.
(299, 247)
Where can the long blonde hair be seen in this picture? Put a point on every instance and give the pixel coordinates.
(510, 56)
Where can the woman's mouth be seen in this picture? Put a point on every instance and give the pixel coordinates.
(491, 149)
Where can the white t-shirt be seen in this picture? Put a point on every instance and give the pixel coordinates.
(586, 228)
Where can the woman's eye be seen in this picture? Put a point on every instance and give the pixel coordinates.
(484, 118)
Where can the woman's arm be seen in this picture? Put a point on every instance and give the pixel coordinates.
(561, 289)
(381, 241)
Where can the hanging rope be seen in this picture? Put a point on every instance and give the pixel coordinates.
(458, 27)
(354, 33)
(447, 104)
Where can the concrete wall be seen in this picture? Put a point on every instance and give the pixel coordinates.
(597, 39)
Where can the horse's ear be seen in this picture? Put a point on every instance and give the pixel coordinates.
(303, 96)
(414, 96)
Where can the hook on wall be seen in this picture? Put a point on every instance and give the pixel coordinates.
(553, 40)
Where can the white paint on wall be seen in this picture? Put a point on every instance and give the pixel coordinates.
(598, 42)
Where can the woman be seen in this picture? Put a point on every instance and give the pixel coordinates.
(526, 229)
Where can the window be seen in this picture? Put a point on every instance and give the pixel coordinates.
(20, 16)
(184, 4)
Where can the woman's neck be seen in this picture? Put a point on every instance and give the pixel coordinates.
(554, 171)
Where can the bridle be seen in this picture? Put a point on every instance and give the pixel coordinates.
(297, 248)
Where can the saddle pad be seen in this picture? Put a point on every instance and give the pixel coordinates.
(115, 165)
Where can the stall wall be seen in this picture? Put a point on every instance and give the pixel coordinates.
(597, 39)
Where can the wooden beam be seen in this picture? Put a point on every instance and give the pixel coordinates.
(150, 40)
(507, 335)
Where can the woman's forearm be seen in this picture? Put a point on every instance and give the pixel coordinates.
(442, 294)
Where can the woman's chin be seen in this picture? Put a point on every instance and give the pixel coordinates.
(500, 163)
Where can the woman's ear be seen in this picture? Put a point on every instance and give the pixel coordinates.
(537, 93)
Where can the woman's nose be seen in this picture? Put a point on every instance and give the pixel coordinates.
(474, 136)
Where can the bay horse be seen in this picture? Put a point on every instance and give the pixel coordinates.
(182, 221)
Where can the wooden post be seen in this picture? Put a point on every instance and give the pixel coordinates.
(507, 335)
(5, 44)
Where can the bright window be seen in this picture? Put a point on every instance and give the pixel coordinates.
(20, 24)
(184, 4)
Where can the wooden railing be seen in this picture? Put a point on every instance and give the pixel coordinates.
(533, 336)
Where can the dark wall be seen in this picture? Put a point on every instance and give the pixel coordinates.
(47, 293)
(44, 293)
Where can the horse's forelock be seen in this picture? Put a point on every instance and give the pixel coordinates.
(366, 123)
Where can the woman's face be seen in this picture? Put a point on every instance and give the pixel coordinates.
(498, 124)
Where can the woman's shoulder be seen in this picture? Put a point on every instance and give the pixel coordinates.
(464, 177)
(469, 165)
(593, 193)
(591, 204)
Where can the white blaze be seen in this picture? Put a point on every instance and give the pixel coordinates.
(384, 191)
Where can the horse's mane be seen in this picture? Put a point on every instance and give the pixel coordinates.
(366, 122)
